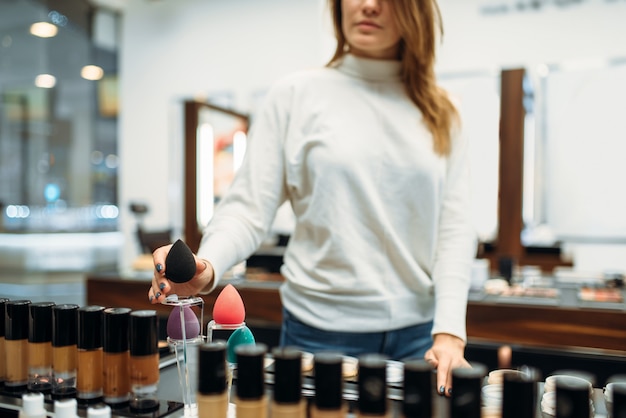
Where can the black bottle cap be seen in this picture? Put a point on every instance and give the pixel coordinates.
(40, 322)
(418, 387)
(144, 333)
(519, 394)
(115, 330)
(250, 370)
(3, 312)
(327, 370)
(64, 325)
(466, 395)
(90, 327)
(372, 384)
(212, 368)
(16, 320)
(180, 264)
(619, 401)
(572, 399)
(287, 375)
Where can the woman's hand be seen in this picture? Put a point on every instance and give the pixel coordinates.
(446, 354)
(162, 287)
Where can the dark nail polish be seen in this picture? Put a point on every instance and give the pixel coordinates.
(442, 389)
(162, 286)
(151, 298)
(159, 267)
(450, 391)
(158, 294)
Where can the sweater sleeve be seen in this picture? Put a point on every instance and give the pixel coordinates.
(243, 217)
(456, 245)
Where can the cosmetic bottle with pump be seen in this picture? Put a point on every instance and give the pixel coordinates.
(372, 386)
(32, 405)
(16, 345)
(89, 372)
(250, 396)
(64, 350)
(212, 396)
(116, 356)
(40, 347)
(3, 355)
(328, 381)
(465, 401)
(144, 361)
(417, 401)
(287, 401)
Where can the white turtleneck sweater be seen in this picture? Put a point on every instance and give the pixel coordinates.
(383, 238)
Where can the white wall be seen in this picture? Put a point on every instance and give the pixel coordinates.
(177, 49)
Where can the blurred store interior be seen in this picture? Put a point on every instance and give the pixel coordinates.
(95, 98)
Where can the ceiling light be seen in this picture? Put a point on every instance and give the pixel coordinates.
(91, 72)
(45, 81)
(43, 29)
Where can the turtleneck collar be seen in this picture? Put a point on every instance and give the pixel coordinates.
(369, 69)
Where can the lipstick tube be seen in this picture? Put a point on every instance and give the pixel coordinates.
(40, 347)
(287, 399)
(64, 350)
(89, 373)
(328, 402)
(212, 396)
(116, 356)
(144, 361)
(3, 355)
(372, 386)
(16, 345)
(250, 397)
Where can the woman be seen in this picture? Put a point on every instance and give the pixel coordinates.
(367, 151)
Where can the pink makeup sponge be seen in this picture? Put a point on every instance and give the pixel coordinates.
(228, 308)
(192, 325)
(180, 265)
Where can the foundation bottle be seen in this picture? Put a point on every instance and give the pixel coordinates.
(372, 386)
(618, 405)
(417, 400)
(89, 369)
(3, 355)
(212, 396)
(16, 345)
(144, 361)
(64, 350)
(40, 347)
(327, 371)
(116, 356)
(250, 397)
(465, 401)
(33, 406)
(287, 401)
(572, 400)
(519, 394)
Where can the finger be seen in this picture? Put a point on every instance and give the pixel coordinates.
(444, 379)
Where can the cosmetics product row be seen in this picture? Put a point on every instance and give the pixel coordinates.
(92, 354)
(108, 357)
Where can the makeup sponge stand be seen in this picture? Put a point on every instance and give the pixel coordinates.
(185, 336)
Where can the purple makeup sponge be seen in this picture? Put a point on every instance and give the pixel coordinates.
(192, 325)
(180, 264)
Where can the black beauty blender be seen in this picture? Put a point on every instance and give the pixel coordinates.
(180, 264)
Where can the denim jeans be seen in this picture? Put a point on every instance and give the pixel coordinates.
(400, 344)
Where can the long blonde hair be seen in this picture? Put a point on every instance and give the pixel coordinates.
(418, 22)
